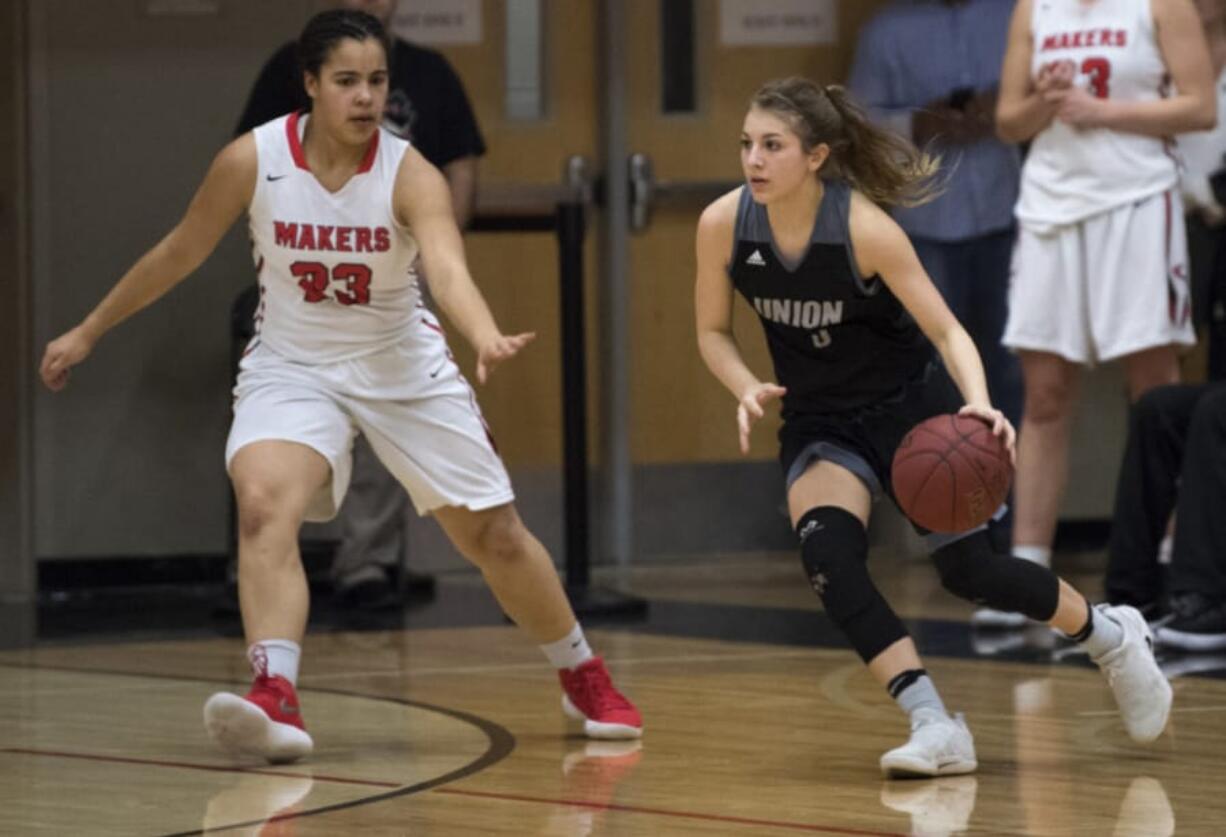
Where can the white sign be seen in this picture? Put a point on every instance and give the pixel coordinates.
(777, 22)
(438, 21)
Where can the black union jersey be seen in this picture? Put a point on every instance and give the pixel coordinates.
(838, 341)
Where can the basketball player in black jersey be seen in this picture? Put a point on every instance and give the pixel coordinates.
(864, 348)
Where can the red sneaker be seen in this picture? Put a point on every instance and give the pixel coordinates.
(265, 723)
(590, 696)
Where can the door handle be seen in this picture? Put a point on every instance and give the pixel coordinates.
(642, 191)
(646, 193)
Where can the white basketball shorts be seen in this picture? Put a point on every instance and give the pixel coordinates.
(1104, 287)
(416, 409)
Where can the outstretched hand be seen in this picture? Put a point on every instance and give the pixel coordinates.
(63, 353)
(503, 347)
(750, 409)
(1001, 427)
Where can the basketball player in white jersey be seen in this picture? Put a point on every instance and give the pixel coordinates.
(1099, 270)
(338, 208)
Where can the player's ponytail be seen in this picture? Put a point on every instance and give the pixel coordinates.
(885, 167)
(326, 29)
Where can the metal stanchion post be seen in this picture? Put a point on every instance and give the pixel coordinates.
(586, 600)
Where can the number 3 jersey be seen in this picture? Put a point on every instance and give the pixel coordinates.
(335, 268)
(838, 342)
(1071, 174)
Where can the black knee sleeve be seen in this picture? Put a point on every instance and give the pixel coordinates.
(834, 548)
(971, 570)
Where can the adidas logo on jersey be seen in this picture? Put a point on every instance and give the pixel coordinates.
(755, 259)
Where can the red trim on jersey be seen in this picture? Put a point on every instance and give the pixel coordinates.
(295, 144)
(1172, 298)
(371, 150)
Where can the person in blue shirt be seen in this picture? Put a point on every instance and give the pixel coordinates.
(929, 70)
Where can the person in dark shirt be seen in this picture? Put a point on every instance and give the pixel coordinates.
(864, 348)
(427, 105)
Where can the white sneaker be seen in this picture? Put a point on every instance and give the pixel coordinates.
(1141, 691)
(939, 746)
(939, 808)
(242, 727)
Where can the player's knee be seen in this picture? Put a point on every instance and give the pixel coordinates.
(262, 508)
(495, 538)
(1048, 401)
(972, 570)
(834, 550)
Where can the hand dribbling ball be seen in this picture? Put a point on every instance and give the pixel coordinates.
(950, 474)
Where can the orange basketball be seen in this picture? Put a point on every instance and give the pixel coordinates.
(950, 474)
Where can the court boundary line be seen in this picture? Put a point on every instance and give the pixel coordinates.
(501, 744)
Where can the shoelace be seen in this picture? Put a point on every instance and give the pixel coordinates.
(596, 689)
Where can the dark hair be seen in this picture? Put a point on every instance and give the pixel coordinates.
(886, 167)
(327, 29)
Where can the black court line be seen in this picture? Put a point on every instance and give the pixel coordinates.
(501, 743)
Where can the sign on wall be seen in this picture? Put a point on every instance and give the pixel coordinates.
(438, 21)
(777, 22)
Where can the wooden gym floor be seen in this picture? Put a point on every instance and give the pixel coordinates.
(443, 720)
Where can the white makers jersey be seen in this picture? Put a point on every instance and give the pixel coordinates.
(335, 268)
(1073, 174)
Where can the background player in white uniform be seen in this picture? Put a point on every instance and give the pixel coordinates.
(1099, 268)
(338, 207)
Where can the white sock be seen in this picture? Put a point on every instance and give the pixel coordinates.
(275, 658)
(1105, 634)
(1040, 555)
(570, 651)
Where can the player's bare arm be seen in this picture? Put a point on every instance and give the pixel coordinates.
(883, 249)
(1022, 110)
(713, 312)
(1192, 104)
(221, 198)
(422, 202)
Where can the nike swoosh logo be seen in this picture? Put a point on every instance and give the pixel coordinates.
(271, 178)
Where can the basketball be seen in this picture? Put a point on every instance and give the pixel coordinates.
(950, 474)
